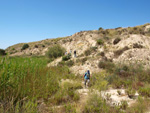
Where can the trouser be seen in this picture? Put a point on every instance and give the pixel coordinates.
(86, 82)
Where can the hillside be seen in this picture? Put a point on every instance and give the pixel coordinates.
(119, 45)
(118, 60)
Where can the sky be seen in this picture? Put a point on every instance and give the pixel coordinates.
(23, 21)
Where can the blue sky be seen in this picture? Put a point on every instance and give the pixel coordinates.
(33, 20)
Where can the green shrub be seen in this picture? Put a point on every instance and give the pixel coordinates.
(94, 48)
(2, 52)
(130, 92)
(70, 108)
(25, 46)
(55, 51)
(124, 105)
(66, 57)
(117, 40)
(100, 29)
(144, 91)
(100, 42)
(106, 65)
(96, 104)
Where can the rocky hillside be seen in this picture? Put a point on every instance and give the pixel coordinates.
(130, 44)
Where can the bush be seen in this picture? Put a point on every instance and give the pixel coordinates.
(25, 46)
(35, 46)
(116, 41)
(66, 57)
(130, 92)
(87, 52)
(55, 51)
(96, 104)
(124, 105)
(144, 91)
(100, 29)
(100, 42)
(106, 65)
(119, 52)
(2, 52)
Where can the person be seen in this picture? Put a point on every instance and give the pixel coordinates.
(74, 53)
(87, 78)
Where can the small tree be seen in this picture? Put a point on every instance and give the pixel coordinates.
(55, 51)
(25, 46)
(100, 29)
(2, 52)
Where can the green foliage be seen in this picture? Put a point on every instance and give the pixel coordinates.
(144, 91)
(66, 93)
(95, 104)
(141, 106)
(2, 52)
(117, 40)
(98, 81)
(66, 57)
(124, 105)
(100, 29)
(106, 65)
(24, 79)
(70, 108)
(55, 51)
(119, 92)
(100, 42)
(25, 46)
(130, 92)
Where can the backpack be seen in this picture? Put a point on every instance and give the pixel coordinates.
(88, 75)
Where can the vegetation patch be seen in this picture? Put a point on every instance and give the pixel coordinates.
(120, 51)
(106, 65)
(136, 45)
(100, 42)
(55, 51)
(25, 46)
(25, 80)
(2, 52)
(116, 41)
(66, 57)
(90, 50)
